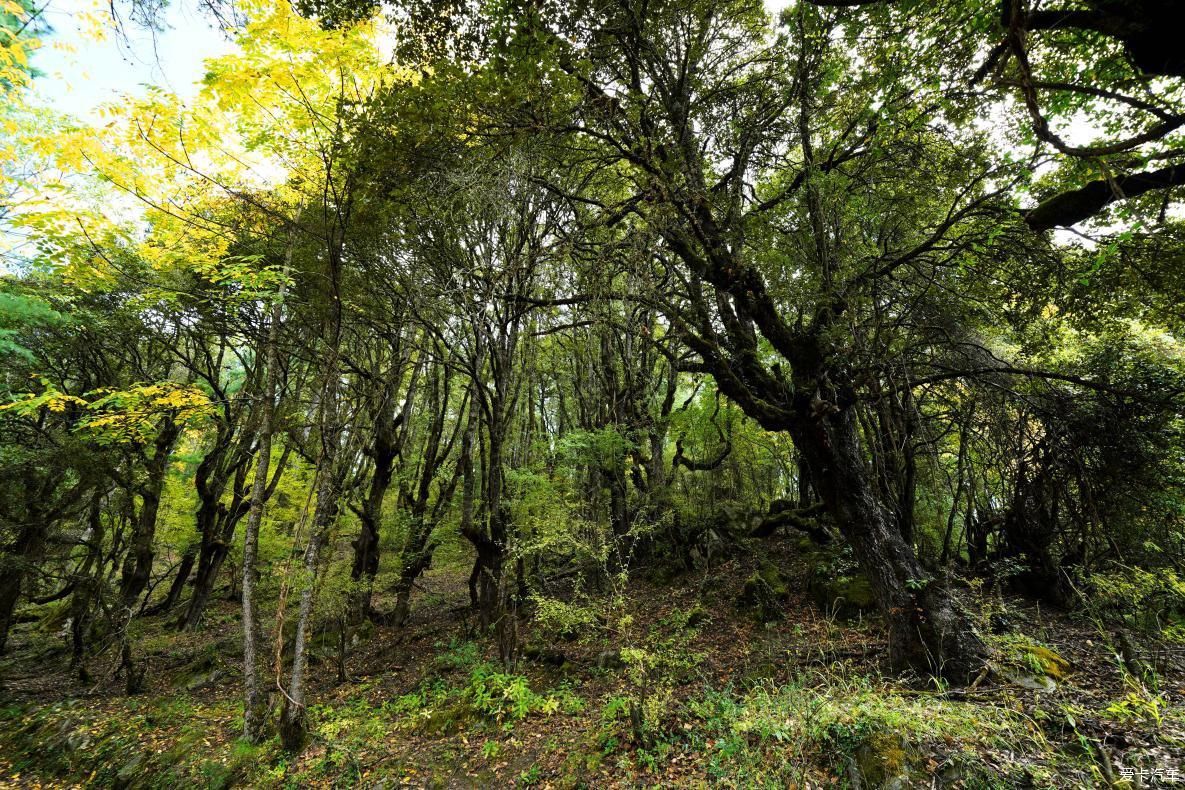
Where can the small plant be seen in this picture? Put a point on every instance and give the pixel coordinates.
(501, 696)
(458, 656)
(1138, 705)
(1144, 599)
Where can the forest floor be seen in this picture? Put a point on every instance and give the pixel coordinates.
(688, 690)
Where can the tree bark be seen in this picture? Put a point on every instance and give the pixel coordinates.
(293, 727)
(386, 448)
(137, 567)
(180, 579)
(27, 547)
(255, 696)
(928, 632)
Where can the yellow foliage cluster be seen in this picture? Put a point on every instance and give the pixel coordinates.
(169, 178)
(130, 416)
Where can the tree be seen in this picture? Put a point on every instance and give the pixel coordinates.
(1113, 64)
(727, 138)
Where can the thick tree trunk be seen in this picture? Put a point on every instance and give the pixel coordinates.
(87, 584)
(216, 542)
(805, 497)
(416, 558)
(137, 566)
(928, 631)
(390, 434)
(489, 575)
(385, 450)
(365, 567)
(213, 552)
(1030, 529)
(491, 549)
(25, 550)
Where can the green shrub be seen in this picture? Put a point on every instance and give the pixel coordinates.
(1147, 599)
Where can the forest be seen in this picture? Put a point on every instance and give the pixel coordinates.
(599, 393)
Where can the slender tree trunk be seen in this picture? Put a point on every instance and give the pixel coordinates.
(210, 557)
(490, 548)
(180, 579)
(292, 723)
(1030, 529)
(416, 558)
(469, 493)
(366, 564)
(255, 695)
(960, 485)
(619, 517)
(293, 728)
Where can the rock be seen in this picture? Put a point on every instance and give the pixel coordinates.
(883, 760)
(544, 654)
(835, 584)
(1034, 682)
(696, 617)
(764, 593)
(72, 737)
(203, 672)
(204, 680)
(1038, 668)
(1000, 622)
(130, 771)
(446, 721)
(610, 659)
(1053, 665)
(845, 597)
(362, 632)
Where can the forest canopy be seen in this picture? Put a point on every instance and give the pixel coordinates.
(498, 319)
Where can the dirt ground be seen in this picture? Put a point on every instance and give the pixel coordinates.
(710, 680)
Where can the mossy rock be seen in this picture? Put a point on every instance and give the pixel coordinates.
(52, 618)
(447, 721)
(846, 597)
(665, 571)
(544, 654)
(764, 593)
(205, 670)
(1036, 667)
(883, 760)
(731, 518)
(363, 632)
(610, 659)
(697, 617)
(131, 773)
(205, 680)
(1051, 663)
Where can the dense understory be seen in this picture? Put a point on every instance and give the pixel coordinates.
(728, 700)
